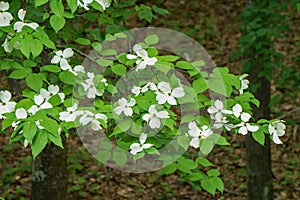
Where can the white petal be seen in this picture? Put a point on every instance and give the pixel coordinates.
(95, 124)
(146, 146)
(5, 19)
(53, 89)
(245, 117)
(131, 57)
(118, 110)
(21, 14)
(161, 98)
(178, 92)
(122, 102)
(21, 113)
(132, 102)
(143, 138)
(46, 105)
(142, 53)
(18, 26)
(136, 90)
(135, 148)
(38, 99)
(150, 61)
(164, 86)
(212, 110)
(162, 114)
(64, 65)
(84, 120)
(10, 106)
(219, 104)
(33, 109)
(4, 6)
(237, 109)
(252, 128)
(271, 129)
(128, 112)
(141, 65)
(67, 53)
(152, 110)
(79, 68)
(5, 96)
(243, 130)
(154, 123)
(32, 25)
(195, 142)
(63, 116)
(44, 93)
(26, 142)
(101, 116)
(171, 100)
(56, 59)
(276, 139)
(146, 117)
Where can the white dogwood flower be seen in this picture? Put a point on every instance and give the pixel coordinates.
(198, 134)
(137, 89)
(244, 83)
(61, 58)
(9, 47)
(277, 129)
(165, 94)
(5, 17)
(71, 114)
(138, 147)
(20, 24)
(245, 126)
(40, 104)
(237, 111)
(78, 68)
(21, 113)
(90, 87)
(89, 117)
(125, 107)
(218, 108)
(142, 57)
(6, 106)
(154, 117)
(52, 90)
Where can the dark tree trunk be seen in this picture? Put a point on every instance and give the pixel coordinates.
(49, 174)
(259, 173)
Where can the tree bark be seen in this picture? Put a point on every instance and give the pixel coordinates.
(259, 173)
(49, 173)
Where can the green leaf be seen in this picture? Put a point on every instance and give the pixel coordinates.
(222, 140)
(199, 85)
(169, 169)
(67, 77)
(36, 47)
(168, 58)
(40, 2)
(183, 141)
(120, 158)
(213, 172)
(259, 136)
(119, 69)
(152, 39)
(25, 47)
(39, 142)
(125, 125)
(103, 156)
(29, 131)
(56, 139)
(218, 183)
(204, 162)
(50, 125)
(206, 146)
(83, 41)
(51, 68)
(34, 82)
(104, 62)
(57, 8)
(194, 177)
(144, 12)
(57, 23)
(72, 5)
(184, 65)
(160, 10)
(20, 74)
(209, 186)
(261, 32)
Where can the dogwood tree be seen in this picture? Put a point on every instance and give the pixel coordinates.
(42, 50)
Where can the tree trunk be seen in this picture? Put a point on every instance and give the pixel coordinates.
(259, 173)
(49, 173)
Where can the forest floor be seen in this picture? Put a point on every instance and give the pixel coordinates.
(215, 25)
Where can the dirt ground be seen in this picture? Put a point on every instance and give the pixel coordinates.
(215, 25)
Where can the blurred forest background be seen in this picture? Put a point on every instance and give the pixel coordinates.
(215, 25)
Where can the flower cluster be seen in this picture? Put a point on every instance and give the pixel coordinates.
(85, 3)
(142, 58)
(6, 105)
